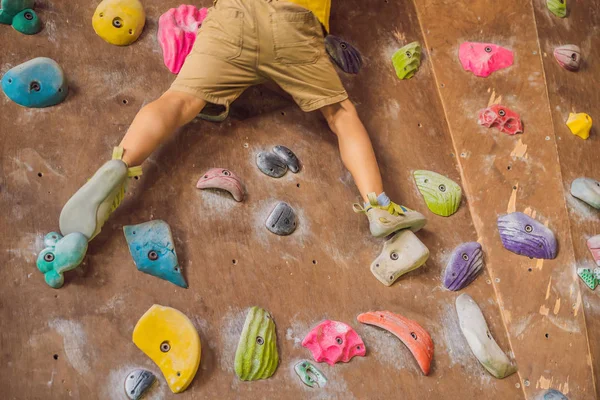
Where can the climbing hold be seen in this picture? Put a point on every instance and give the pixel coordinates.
(36, 83)
(525, 236)
(551, 394)
(219, 178)
(464, 266)
(61, 254)
(591, 278)
(256, 356)
(282, 220)
(177, 30)
(407, 60)
(482, 59)
(441, 194)
(503, 118)
(580, 124)
(345, 56)
(403, 253)
(169, 338)
(568, 56)
(288, 157)
(310, 375)
(557, 7)
(10, 8)
(271, 164)
(408, 331)
(588, 190)
(333, 341)
(119, 22)
(27, 22)
(479, 338)
(151, 246)
(137, 382)
(593, 244)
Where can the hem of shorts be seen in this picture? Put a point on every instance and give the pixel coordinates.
(320, 103)
(200, 94)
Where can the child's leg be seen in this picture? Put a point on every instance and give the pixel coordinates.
(355, 147)
(156, 122)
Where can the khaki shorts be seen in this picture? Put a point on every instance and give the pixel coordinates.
(247, 42)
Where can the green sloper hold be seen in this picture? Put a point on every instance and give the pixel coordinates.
(588, 277)
(407, 60)
(441, 194)
(256, 356)
(27, 22)
(10, 8)
(557, 7)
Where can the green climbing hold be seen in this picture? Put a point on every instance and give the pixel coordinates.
(256, 356)
(557, 7)
(61, 254)
(310, 375)
(27, 22)
(589, 277)
(441, 194)
(407, 60)
(10, 8)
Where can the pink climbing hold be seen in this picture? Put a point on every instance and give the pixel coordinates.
(333, 341)
(594, 246)
(484, 58)
(224, 179)
(503, 118)
(177, 29)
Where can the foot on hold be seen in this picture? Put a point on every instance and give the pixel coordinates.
(580, 125)
(152, 249)
(89, 208)
(401, 254)
(224, 179)
(119, 22)
(588, 190)
(590, 277)
(568, 57)
(479, 338)
(442, 195)
(385, 220)
(343, 54)
(256, 356)
(525, 236)
(413, 335)
(138, 382)
(61, 254)
(551, 394)
(37, 83)
(465, 264)
(334, 341)
(310, 375)
(169, 338)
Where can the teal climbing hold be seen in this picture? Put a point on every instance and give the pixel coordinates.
(20, 14)
(151, 246)
(36, 83)
(61, 254)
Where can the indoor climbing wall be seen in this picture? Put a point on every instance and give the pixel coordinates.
(78, 341)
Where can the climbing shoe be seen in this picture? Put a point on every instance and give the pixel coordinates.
(89, 208)
(385, 220)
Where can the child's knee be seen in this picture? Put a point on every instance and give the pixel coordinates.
(338, 112)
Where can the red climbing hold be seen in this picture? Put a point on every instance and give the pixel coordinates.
(333, 341)
(501, 117)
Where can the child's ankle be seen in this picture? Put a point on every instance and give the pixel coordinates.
(382, 199)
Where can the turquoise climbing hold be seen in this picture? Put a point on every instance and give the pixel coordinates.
(27, 22)
(10, 8)
(61, 254)
(36, 83)
(151, 246)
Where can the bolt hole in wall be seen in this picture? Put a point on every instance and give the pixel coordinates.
(547, 336)
(314, 262)
(419, 125)
(55, 356)
(297, 185)
(234, 262)
(125, 101)
(40, 174)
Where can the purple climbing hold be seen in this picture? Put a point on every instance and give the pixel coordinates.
(464, 266)
(525, 236)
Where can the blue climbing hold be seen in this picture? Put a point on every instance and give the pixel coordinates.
(151, 246)
(61, 254)
(36, 83)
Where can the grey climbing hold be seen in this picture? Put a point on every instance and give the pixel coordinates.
(270, 164)
(551, 394)
(282, 220)
(137, 382)
(288, 157)
(588, 190)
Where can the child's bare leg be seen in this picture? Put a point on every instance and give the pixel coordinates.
(357, 153)
(155, 122)
(355, 147)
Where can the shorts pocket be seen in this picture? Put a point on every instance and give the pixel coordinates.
(297, 37)
(221, 34)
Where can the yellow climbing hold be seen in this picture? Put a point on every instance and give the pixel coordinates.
(580, 124)
(119, 22)
(168, 337)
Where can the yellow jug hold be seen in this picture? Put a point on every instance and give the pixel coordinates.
(119, 22)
